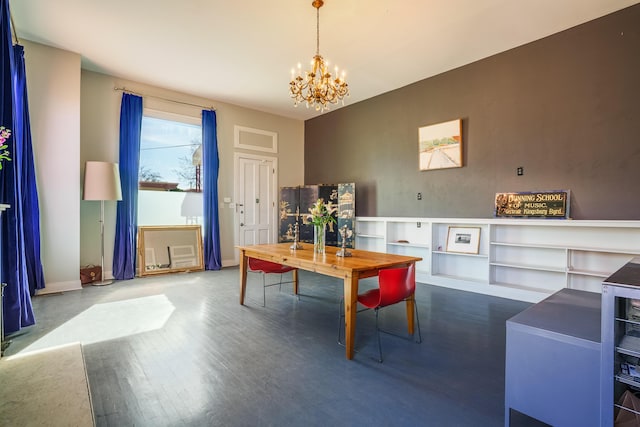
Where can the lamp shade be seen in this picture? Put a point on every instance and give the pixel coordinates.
(102, 181)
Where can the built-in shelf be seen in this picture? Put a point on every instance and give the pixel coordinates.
(520, 287)
(529, 267)
(458, 277)
(517, 258)
(605, 250)
(599, 274)
(370, 236)
(460, 254)
(410, 245)
(526, 245)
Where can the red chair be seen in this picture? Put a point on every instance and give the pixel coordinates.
(395, 285)
(268, 267)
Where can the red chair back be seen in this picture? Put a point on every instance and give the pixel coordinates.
(396, 284)
(268, 266)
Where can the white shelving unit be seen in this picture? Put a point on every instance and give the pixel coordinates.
(518, 258)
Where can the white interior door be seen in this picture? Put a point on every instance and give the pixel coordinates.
(255, 185)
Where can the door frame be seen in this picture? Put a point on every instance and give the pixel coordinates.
(236, 196)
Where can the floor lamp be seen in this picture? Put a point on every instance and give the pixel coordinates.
(102, 182)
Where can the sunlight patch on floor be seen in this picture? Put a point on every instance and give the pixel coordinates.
(108, 321)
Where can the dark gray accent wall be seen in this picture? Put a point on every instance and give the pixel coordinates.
(566, 108)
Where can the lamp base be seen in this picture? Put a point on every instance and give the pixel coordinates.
(102, 283)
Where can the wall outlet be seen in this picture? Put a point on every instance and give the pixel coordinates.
(418, 224)
(520, 171)
(419, 196)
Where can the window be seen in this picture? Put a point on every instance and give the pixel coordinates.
(170, 191)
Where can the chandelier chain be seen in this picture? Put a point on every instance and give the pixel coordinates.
(317, 31)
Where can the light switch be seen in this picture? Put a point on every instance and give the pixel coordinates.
(227, 199)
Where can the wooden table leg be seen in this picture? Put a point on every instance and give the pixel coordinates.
(411, 301)
(243, 275)
(350, 308)
(295, 281)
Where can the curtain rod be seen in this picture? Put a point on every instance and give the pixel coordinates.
(124, 89)
(13, 27)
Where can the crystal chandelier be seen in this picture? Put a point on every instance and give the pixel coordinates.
(317, 87)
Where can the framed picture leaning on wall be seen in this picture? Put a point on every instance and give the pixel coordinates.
(464, 240)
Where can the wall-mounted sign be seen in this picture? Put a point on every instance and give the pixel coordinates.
(543, 204)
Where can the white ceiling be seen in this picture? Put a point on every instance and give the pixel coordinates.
(242, 51)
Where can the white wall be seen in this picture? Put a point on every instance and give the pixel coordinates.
(169, 208)
(53, 86)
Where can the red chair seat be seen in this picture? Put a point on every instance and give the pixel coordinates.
(370, 298)
(268, 267)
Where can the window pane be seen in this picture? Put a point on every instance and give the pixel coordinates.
(169, 177)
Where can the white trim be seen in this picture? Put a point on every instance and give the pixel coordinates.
(56, 287)
(173, 117)
(237, 144)
(230, 262)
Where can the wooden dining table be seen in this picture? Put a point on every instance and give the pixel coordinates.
(360, 265)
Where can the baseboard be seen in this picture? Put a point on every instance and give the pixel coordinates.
(229, 262)
(57, 287)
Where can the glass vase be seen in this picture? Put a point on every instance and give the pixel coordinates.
(319, 238)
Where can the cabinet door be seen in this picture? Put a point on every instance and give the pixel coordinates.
(347, 212)
(288, 211)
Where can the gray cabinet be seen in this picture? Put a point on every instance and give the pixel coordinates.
(620, 338)
(552, 364)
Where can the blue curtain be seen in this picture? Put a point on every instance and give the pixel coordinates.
(29, 189)
(124, 251)
(17, 300)
(210, 168)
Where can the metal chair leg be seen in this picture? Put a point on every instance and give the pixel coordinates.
(340, 316)
(415, 307)
(378, 333)
(265, 286)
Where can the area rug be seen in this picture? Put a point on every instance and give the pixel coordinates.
(47, 387)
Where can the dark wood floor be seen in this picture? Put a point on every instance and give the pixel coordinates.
(216, 363)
